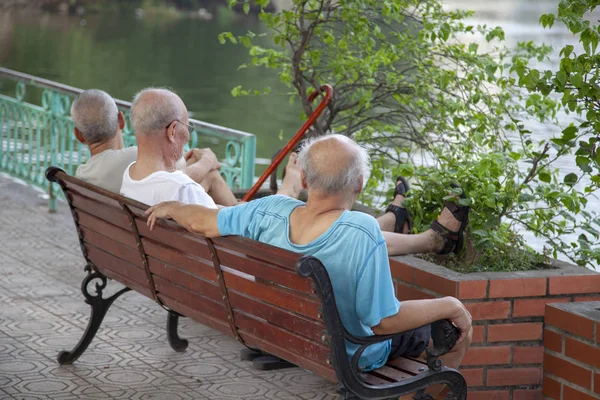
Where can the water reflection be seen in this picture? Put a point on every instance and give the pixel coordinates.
(121, 54)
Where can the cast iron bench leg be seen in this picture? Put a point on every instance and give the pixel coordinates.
(175, 341)
(99, 308)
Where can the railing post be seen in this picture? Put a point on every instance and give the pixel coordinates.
(55, 110)
(249, 152)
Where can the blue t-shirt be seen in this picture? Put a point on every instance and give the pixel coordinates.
(353, 251)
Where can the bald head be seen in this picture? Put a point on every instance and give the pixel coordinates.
(96, 116)
(155, 108)
(334, 164)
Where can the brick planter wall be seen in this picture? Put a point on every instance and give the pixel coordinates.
(572, 351)
(505, 360)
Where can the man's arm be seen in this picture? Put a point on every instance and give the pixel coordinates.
(416, 313)
(199, 163)
(193, 217)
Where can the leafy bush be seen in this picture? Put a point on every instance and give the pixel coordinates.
(436, 109)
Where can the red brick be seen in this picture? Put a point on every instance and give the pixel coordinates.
(533, 307)
(514, 332)
(489, 395)
(569, 322)
(551, 388)
(573, 394)
(405, 292)
(436, 283)
(597, 382)
(402, 271)
(528, 355)
(472, 290)
(533, 394)
(582, 352)
(487, 356)
(567, 370)
(513, 376)
(518, 287)
(489, 310)
(478, 333)
(575, 284)
(598, 332)
(553, 341)
(473, 376)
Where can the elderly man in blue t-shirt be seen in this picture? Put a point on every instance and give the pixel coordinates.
(350, 244)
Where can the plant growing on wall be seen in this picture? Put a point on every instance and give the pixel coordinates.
(413, 85)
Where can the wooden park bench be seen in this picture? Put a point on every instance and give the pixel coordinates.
(269, 299)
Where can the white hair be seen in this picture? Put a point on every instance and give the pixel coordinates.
(333, 172)
(96, 116)
(154, 115)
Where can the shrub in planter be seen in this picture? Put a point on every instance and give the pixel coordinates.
(436, 109)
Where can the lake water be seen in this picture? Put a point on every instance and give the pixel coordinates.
(121, 55)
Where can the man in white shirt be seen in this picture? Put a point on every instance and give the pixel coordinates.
(161, 124)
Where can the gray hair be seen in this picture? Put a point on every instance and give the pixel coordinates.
(153, 109)
(96, 116)
(331, 170)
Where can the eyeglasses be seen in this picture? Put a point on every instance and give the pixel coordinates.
(191, 128)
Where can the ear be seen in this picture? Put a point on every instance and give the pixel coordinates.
(303, 181)
(121, 120)
(170, 132)
(360, 186)
(79, 135)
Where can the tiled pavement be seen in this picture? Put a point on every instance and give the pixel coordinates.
(42, 312)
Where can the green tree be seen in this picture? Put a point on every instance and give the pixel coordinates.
(435, 108)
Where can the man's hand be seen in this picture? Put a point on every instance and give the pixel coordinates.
(205, 156)
(461, 318)
(162, 210)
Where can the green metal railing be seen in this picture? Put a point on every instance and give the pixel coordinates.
(36, 132)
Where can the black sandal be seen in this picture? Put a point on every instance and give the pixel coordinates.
(453, 241)
(402, 214)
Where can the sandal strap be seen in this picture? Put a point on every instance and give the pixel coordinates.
(402, 217)
(451, 238)
(402, 186)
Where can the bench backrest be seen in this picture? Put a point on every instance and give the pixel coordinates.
(243, 288)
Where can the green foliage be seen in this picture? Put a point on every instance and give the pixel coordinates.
(430, 105)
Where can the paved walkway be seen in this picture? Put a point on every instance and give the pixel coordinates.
(42, 312)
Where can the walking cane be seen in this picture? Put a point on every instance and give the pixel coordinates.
(284, 152)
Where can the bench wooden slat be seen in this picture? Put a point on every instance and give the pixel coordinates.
(79, 190)
(376, 380)
(176, 276)
(197, 266)
(287, 299)
(111, 246)
(391, 373)
(323, 370)
(195, 314)
(191, 299)
(283, 258)
(115, 216)
(133, 285)
(97, 225)
(282, 318)
(186, 242)
(407, 365)
(262, 270)
(107, 262)
(316, 351)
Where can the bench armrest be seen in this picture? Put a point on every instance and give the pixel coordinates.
(443, 333)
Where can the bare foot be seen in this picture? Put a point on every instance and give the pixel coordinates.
(387, 222)
(292, 183)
